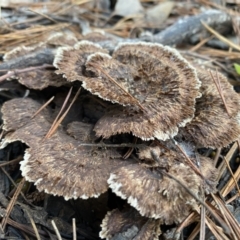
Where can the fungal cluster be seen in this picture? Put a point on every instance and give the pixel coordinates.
(141, 91)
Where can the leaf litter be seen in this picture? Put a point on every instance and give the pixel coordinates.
(139, 89)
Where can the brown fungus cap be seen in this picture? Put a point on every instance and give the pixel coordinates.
(212, 126)
(157, 196)
(128, 224)
(38, 78)
(165, 85)
(111, 81)
(58, 165)
(70, 61)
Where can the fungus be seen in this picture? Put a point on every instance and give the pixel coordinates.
(129, 224)
(212, 125)
(35, 78)
(164, 84)
(112, 80)
(157, 196)
(58, 165)
(70, 61)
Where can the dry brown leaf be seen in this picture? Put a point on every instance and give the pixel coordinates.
(129, 224)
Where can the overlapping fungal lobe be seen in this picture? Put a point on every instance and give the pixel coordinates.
(59, 165)
(70, 61)
(38, 78)
(214, 126)
(110, 79)
(166, 87)
(154, 194)
(129, 224)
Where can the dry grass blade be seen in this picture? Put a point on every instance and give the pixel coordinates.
(60, 112)
(220, 37)
(54, 128)
(217, 83)
(33, 225)
(42, 107)
(228, 157)
(231, 183)
(201, 43)
(18, 159)
(116, 83)
(24, 228)
(11, 204)
(56, 230)
(15, 185)
(214, 214)
(216, 158)
(189, 161)
(203, 223)
(228, 217)
(230, 170)
(130, 150)
(216, 231)
(74, 229)
(43, 15)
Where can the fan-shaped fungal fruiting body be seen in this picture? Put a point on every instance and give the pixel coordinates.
(129, 224)
(164, 84)
(157, 196)
(157, 86)
(37, 78)
(70, 61)
(58, 165)
(214, 125)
